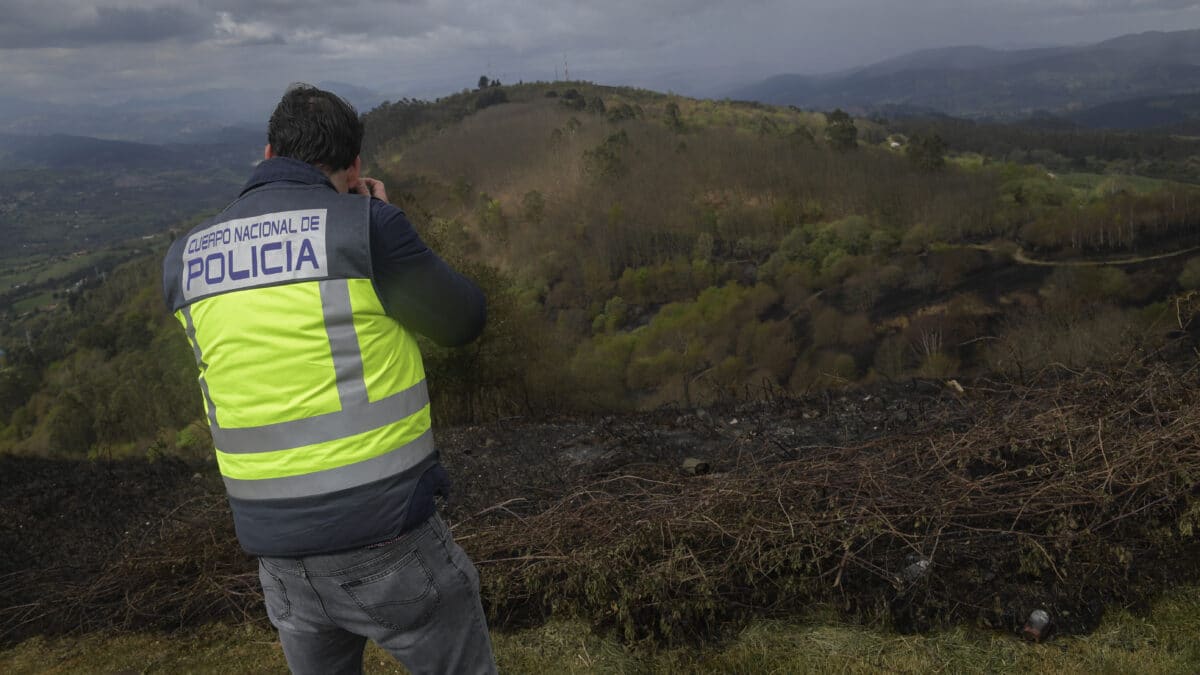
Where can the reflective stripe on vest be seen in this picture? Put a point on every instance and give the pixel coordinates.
(340, 478)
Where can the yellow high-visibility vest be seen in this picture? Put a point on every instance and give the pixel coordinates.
(315, 397)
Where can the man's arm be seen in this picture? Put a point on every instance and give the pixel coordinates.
(417, 287)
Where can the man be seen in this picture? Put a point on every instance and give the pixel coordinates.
(300, 301)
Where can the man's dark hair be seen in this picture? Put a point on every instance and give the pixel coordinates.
(315, 126)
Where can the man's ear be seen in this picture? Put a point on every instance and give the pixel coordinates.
(268, 153)
(354, 171)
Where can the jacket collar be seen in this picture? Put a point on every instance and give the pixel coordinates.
(286, 169)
